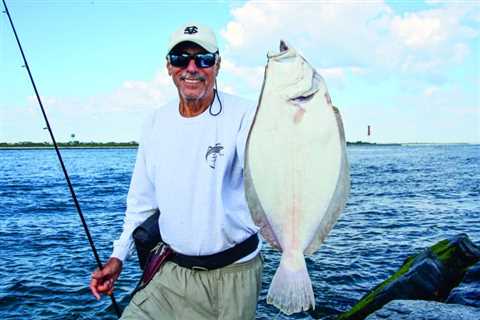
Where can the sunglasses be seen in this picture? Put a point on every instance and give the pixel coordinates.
(202, 60)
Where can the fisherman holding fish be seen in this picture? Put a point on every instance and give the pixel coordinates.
(189, 166)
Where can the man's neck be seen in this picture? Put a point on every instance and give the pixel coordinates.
(191, 107)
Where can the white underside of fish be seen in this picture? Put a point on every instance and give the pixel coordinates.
(296, 176)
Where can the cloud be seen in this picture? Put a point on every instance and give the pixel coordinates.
(131, 96)
(419, 32)
(325, 31)
(228, 89)
(430, 91)
(135, 94)
(339, 74)
(360, 34)
(252, 76)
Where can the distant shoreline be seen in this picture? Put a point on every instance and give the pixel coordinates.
(368, 144)
(63, 147)
(68, 145)
(134, 145)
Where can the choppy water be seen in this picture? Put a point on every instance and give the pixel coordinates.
(403, 199)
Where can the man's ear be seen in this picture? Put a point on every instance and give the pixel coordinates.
(169, 67)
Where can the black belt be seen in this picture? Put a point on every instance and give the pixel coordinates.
(217, 260)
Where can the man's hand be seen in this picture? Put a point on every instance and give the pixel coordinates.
(103, 280)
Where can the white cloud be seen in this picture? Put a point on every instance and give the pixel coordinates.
(359, 34)
(228, 89)
(235, 33)
(430, 91)
(131, 96)
(328, 32)
(111, 116)
(332, 73)
(419, 32)
(236, 76)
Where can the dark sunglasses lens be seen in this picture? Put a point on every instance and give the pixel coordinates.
(202, 60)
(205, 60)
(179, 60)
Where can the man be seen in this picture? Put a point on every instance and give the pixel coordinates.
(190, 166)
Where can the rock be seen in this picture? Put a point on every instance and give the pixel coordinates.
(420, 309)
(468, 292)
(430, 275)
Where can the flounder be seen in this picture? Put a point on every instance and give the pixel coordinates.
(296, 174)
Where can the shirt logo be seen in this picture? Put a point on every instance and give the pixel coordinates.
(213, 153)
(190, 30)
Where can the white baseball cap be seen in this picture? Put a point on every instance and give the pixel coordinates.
(196, 33)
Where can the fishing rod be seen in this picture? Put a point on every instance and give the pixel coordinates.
(57, 150)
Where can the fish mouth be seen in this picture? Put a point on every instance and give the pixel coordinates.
(283, 46)
(285, 50)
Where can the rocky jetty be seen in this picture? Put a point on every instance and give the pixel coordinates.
(468, 291)
(420, 309)
(430, 275)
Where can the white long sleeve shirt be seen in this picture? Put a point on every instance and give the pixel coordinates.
(191, 169)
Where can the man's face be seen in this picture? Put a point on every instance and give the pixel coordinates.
(192, 82)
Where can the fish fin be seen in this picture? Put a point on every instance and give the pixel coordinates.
(291, 288)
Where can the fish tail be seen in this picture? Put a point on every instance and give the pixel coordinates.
(291, 288)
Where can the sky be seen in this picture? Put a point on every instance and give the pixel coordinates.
(409, 69)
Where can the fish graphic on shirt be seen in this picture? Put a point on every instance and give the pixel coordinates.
(213, 153)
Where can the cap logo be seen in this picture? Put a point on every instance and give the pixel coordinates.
(190, 30)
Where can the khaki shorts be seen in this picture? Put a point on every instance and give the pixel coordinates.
(179, 293)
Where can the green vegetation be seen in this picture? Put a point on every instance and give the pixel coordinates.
(71, 144)
(443, 250)
(453, 257)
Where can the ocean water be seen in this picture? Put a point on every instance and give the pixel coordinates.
(403, 198)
